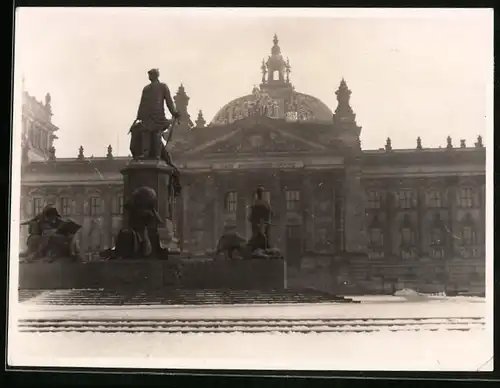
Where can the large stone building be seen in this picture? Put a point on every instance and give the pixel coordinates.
(418, 213)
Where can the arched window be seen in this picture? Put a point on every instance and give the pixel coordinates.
(466, 197)
(38, 205)
(407, 238)
(468, 235)
(376, 237)
(117, 204)
(437, 238)
(407, 232)
(468, 232)
(231, 202)
(95, 240)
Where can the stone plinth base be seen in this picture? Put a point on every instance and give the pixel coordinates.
(156, 175)
(253, 274)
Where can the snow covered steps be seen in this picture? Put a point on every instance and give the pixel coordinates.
(175, 297)
(338, 325)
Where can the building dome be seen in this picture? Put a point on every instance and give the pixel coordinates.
(275, 97)
(293, 105)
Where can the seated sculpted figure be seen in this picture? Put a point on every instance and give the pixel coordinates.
(50, 235)
(140, 238)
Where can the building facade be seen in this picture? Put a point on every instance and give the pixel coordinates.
(418, 213)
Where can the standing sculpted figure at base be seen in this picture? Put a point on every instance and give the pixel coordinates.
(260, 220)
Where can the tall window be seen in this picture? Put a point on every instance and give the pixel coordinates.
(118, 202)
(266, 195)
(437, 236)
(465, 197)
(292, 199)
(434, 199)
(407, 236)
(406, 199)
(374, 199)
(468, 235)
(376, 237)
(95, 205)
(231, 202)
(117, 205)
(436, 252)
(408, 253)
(121, 203)
(65, 205)
(37, 205)
(95, 240)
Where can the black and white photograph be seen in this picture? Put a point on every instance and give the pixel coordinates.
(252, 189)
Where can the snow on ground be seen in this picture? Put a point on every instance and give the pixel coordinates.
(370, 307)
(423, 350)
(457, 351)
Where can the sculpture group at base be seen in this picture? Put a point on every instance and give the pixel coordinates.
(51, 237)
(259, 244)
(139, 239)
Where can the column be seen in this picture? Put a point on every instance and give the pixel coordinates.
(451, 184)
(210, 235)
(420, 217)
(185, 220)
(278, 229)
(355, 235)
(308, 212)
(107, 197)
(334, 223)
(482, 204)
(390, 211)
(248, 204)
(339, 216)
(217, 211)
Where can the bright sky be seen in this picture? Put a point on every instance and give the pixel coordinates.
(426, 74)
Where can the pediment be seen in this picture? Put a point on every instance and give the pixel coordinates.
(256, 140)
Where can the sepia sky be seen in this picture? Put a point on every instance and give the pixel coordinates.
(426, 74)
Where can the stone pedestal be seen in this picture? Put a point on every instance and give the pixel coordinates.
(156, 175)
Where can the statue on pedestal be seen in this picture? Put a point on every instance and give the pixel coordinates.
(151, 123)
(50, 236)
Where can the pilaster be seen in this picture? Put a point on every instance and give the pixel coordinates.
(355, 236)
(186, 236)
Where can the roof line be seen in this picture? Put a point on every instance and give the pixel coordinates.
(213, 142)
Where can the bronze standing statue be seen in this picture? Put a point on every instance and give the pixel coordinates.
(260, 220)
(147, 130)
(151, 121)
